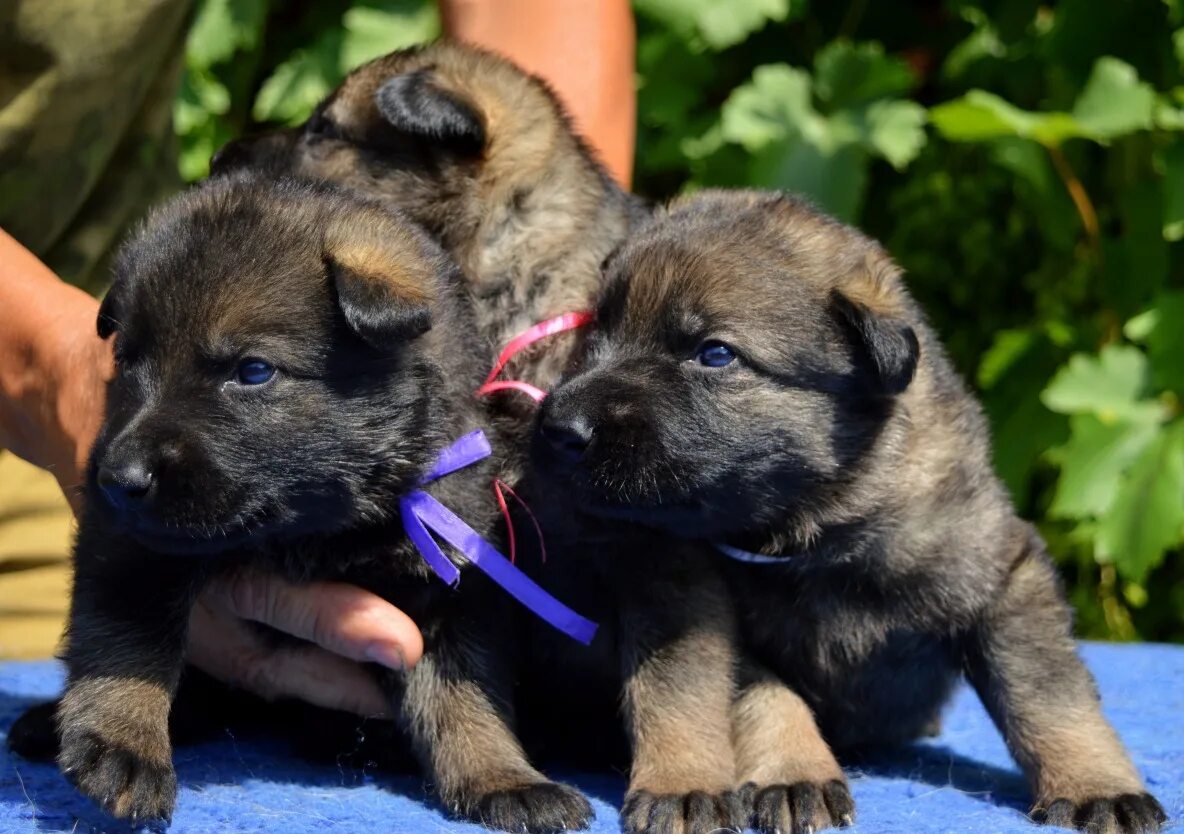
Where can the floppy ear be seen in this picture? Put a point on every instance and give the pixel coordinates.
(414, 103)
(887, 344)
(385, 283)
(108, 321)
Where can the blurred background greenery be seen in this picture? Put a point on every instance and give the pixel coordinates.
(1024, 162)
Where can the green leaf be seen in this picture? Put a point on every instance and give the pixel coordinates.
(375, 30)
(983, 43)
(221, 28)
(1008, 349)
(1093, 461)
(833, 178)
(896, 131)
(1114, 101)
(776, 104)
(715, 24)
(1161, 328)
(727, 24)
(1148, 513)
(848, 74)
(1012, 374)
(200, 99)
(980, 115)
(299, 83)
(1109, 385)
(1171, 161)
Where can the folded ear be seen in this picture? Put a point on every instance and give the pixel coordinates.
(886, 343)
(415, 103)
(385, 279)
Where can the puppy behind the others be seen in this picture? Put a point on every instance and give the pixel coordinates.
(291, 360)
(761, 379)
(484, 156)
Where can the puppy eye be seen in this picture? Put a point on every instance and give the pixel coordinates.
(254, 372)
(715, 354)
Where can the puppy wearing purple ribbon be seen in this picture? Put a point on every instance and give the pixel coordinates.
(295, 368)
(484, 156)
(761, 379)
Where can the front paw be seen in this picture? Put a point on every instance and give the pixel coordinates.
(697, 812)
(800, 808)
(1131, 813)
(536, 808)
(137, 786)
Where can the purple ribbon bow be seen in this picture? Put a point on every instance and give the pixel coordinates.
(421, 513)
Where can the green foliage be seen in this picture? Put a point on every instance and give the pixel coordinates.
(238, 75)
(1024, 162)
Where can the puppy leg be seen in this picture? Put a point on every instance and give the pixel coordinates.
(678, 657)
(1023, 662)
(791, 778)
(456, 706)
(125, 653)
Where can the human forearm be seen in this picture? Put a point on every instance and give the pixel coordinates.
(53, 366)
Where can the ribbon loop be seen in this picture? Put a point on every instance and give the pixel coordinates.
(558, 324)
(464, 451)
(423, 515)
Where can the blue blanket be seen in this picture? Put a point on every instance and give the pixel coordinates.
(963, 780)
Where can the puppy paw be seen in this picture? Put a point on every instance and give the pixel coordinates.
(1130, 813)
(539, 808)
(697, 812)
(34, 736)
(800, 808)
(126, 784)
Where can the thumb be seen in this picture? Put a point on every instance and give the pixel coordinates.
(341, 618)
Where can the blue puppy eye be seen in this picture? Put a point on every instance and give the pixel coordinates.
(255, 372)
(715, 355)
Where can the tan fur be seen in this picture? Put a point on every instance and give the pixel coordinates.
(472, 753)
(679, 743)
(121, 717)
(529, 218)
(776, 739)
(1067, 748)
(381, 250)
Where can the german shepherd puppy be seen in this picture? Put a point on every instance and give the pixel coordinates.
(762, 380)
(483, 155)
(290, 361)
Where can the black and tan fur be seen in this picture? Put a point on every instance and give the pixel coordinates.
(196, 473)
(484, 157)
(841, 439)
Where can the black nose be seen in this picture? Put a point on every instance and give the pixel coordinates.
(127, 486)
(568, 436)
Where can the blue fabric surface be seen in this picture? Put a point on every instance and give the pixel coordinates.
(963, 780)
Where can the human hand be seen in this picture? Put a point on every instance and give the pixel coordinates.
(53, 368)
(345, 625)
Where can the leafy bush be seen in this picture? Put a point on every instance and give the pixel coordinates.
(1023, 161)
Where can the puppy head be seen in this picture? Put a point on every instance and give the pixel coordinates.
(273, 372)
(749, 352)
(418, 127)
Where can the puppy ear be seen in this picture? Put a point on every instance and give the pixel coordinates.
(414, 103)
(887, 344)
(385, 281)
(108, 321)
